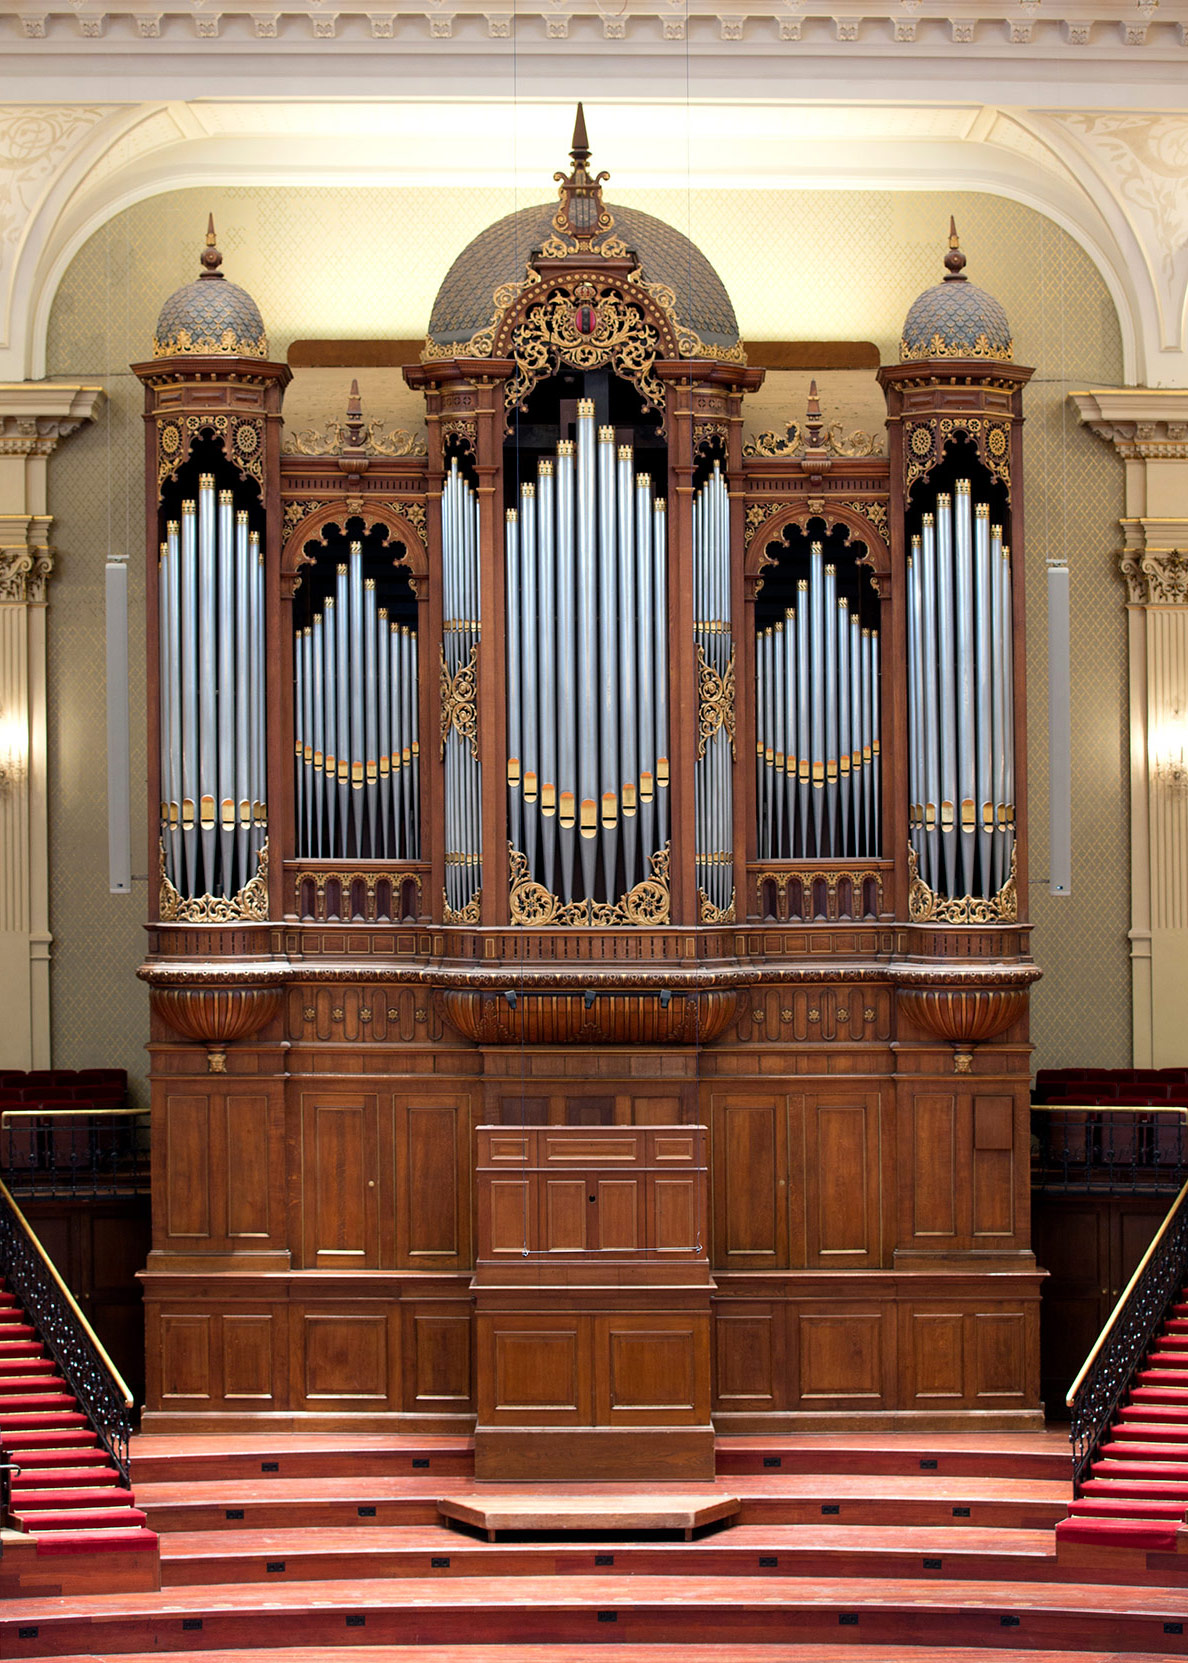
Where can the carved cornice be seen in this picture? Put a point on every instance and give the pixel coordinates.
(1147, 423)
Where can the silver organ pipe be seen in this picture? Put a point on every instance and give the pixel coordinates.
(213, 815)
(461, 633)
(587, 669)
(353, 720)
(817, 721)
(713, 773)
(960, 698)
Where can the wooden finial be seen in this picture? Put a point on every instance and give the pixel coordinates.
(812, 420)
(354, 417)
(211, 258)
(579, 150)
(954, 259)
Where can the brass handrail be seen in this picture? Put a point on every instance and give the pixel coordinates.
(1126, 1292)
(45, 1114)
(68, 1296)
(1107, 1108)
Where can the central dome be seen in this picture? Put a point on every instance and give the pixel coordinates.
(465, 301)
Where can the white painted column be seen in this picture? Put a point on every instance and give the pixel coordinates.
(34, 416)
(1149, 429)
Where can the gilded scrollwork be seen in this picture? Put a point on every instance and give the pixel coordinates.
(251, 902)
(459, 701)
(414, 513)
(925, 906)
(715, 701)
(184, 344)
(620, 335)
(469, 914)
(837, 442)
(759, 512)
(242, 439)
(924, 445)
(296, 510)
(646, 905)
(710, 914)
(939, 347)
(1156, 579)
(331, 439)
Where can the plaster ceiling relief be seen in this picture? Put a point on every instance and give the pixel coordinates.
(1142, 161)
(35, 140)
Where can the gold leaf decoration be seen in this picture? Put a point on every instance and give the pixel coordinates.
(459, 696)
(925, 906)
(647, 905)
(251, 902)
(715, 701)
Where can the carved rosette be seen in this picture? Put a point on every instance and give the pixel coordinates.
(634, 1018)
(242, 438)
(925, 442)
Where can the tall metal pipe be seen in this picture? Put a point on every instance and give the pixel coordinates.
(243, 695)
(999, 706)
(530, 686)
(330, 767)
(966, 762)
(546, 545)
(660, 662)
(947, 713)
(984, 679)
(342, 623)
(645, 571)
(628, 665)
(567, 766)
(928, 663)
(515, 739)
(207, 678)
(609, 770)
(844, 759)
(319, 707)
(386, 688)
(587, 623)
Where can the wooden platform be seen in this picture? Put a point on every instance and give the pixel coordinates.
(582, 1509)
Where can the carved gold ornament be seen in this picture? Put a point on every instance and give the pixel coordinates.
(710, 914)
(836, 441)
(414, 513)
(759, 512)
(621, 337)
(251, 902)
(469, 914)
(331, 439)
(459, 695)
(925, 906)
(184, 345)
(938, 347)
(242, 438)
(715, 701)
(531, 904)
(925, 446)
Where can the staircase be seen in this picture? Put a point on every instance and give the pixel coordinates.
(1137, 1495)
(68, 1493)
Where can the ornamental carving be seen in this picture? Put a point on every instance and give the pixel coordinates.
(414, 513)
(924, 446)
(332, 438)
(250, 902)
(295, 512)
(459, 695)
(23, 572)
(242, 439)
(618, 1016)
(715, 701)
(462, 429)
(836, 442)
(925, 906)
(183, 344)
(532, 905)
(758, 512)
(553, 333)
(469, 914)
(1151, 579)
(710, 914)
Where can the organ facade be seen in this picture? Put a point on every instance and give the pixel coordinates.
(590, 966)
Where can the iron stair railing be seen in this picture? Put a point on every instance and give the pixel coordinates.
(1106, 1373)
(69, 1338)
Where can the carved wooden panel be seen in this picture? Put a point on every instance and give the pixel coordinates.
(248, 1166)
(346, 1357)
(993, 1165)
(750, 1184)
(535, 1364)
(675, 1224)
(935, 1359)
(187, 1164)
(748, 1358)
(841, 1357)
(842, 1179)
(619, 1212)
(184, 1366)
(438, 1361)
(508, 1226)
(341, 1168)
(934, 1152)
(1001, 1363)
(247, 1358)
(650, 1371)
(566, 1216)
(433, 1163)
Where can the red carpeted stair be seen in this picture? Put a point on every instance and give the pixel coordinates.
(68, 1493)
(1137, 1495)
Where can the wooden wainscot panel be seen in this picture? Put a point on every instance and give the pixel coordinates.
(186, 1366)
(620, 1213)
(341, 1166)
(993, 1166)
(842, 1356)
(566, 1216)
(596, 1149)
(842, 1179)
(187, 1165)
(433, 1152)
(750, 1182)
(674, 1208)
(438, 1361)
(506, 1225)
(248, 1124)
(934, 1166)
(348, 1358)
(537, 1366)
(935, 1347)
(247, 1357)
(651, 1371)
(1001, 1363)
(748, 1358)
(656, 1111)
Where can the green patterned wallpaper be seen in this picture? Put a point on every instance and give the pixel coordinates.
(799, 265)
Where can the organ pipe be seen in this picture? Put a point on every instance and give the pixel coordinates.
(585, 563)
(960, 698)
(461, 633)
(354, 716)
(211, 592)
(713, 772)
(817, 725)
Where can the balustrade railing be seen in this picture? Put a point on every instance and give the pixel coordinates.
(1109, 1150)
(75, 1152)
(1126, 1338)
(65, 1332)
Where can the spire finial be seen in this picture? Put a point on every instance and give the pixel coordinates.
(354, 417)
(954, 259)
(579, 150)
(211, 258)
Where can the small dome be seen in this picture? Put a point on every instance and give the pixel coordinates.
(498, 255)
(210, 316)
(956, 319)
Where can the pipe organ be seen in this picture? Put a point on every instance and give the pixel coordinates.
(622, 1034)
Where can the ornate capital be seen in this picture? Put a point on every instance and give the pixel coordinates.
(1156, 579)
(26, 558)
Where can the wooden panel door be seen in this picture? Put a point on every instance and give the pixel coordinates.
(340, 1147)
(750, 1177)
(842, 1179)
(432, 1184)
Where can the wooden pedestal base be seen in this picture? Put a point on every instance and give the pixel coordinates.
(557, 1514)
(590, 1454)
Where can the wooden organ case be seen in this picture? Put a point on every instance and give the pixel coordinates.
(590, 972)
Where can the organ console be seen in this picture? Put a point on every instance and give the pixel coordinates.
(592, 828)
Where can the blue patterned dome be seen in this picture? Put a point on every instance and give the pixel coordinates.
(210, 317)
(956, 319)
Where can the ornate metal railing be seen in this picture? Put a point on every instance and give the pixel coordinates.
(1108, 1151)
(1126, 1338)
(67, 1335)
(75, 1152)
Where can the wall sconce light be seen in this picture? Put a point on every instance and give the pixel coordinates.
(1168, 751)
(14, 753)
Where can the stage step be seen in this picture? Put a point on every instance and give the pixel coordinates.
(532, 1653)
